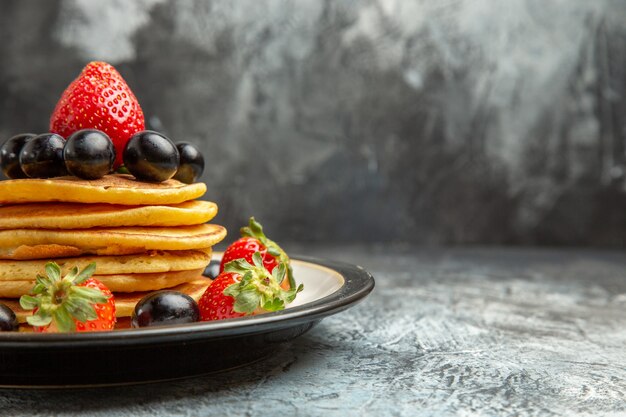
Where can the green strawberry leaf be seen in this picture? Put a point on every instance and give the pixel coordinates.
(53, 271)
(93, 295)
(63, 320)
(291, 294)
(257, 259)
(247, 301)
(43, 280)
(69, 278)
(85, 274)
(38, 289)
(28, 302)
(81, 309)
(292, 280)
(238, 266)
(274, 252)
(254, 229)
(279, 273)
(275, 304)
(39, 319)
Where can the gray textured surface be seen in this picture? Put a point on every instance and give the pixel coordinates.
(469, 332)
(415, 120)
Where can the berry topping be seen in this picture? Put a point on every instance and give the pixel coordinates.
(99, 99)
(151, 156)
(75, 302)
(89, 154)
(246, 289)
(10, 155)
(165, 307)
(191, 163)
(8, 320)
(42, 156)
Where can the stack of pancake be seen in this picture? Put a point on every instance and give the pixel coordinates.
(142, 236)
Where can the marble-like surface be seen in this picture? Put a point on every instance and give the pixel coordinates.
(446, 332)
(428, 121)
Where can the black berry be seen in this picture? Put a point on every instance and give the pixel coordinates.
(89, 154)
(8, 321)
(10, 155)
(165, 307)
(191, 163)
(151, 156)
(212, 270)
(42, 156)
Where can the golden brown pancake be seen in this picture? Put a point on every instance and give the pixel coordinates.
(111, 189)
(51, 244)
(148, 282)
(122, 283)
(84, 216)
(151, 262)
(124, 302)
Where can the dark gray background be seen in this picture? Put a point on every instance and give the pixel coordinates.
(425, 121)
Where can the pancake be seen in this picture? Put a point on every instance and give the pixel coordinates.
(84, 216)
(52, 244)
(124, 302)
(148, 282)
(122, 283)
(111, 189)
(154, 261)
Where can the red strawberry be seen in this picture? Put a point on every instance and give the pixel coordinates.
(99, 99)
(254, 240)
(75, 302)
(213, 304)
(245, 289)
(244, 248)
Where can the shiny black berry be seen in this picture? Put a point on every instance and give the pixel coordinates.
(10, 155)
(212, 270)
(89, 154)
(42, 156)
(191, 163)
(165, 307)
(151, 156)
(8, 321)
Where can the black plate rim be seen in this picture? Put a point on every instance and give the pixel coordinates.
(358, 283)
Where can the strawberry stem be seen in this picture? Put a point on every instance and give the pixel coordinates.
(255, 230)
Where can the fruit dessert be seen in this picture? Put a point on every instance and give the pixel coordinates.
(101, 225)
